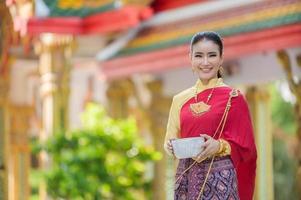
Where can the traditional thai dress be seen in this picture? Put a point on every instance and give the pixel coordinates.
(232, 175)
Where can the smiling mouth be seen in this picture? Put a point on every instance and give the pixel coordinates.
(205, 69)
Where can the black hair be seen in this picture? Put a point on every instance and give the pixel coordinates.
(208, 35)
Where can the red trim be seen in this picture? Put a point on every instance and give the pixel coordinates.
(160, 5)
(110, 21)
(216, 17)
(235, 47)
(55, 25)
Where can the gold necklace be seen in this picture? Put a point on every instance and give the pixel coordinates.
(199, 108)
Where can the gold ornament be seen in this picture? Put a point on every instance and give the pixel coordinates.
(199, 108)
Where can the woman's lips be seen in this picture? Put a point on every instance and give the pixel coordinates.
(205, 69)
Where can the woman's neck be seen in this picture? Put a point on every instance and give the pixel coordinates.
(205, 84)
(209, 82)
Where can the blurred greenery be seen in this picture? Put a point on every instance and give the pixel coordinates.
(284, 173)
(282, 112)
(34, 180)
(106, 159)
(285, 166)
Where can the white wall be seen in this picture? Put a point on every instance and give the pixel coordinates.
(22, 81)
(80, 74)
(263, 68)
(255, 69)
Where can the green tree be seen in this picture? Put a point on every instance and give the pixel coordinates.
(103, 160)
(282, 112)
(285, 166)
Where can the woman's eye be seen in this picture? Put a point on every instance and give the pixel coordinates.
(198, 56)
(213, 55)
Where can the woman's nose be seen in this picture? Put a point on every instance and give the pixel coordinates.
(205, 61)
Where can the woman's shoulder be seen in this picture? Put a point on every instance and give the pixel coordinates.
(229, 90)
(184, 95)
(236, 94)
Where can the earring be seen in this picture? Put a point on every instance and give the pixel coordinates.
(221, 71)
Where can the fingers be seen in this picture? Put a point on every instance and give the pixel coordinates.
(205, 144)
(210, 146)
(207, 137)
(169, 146)
(203, 155)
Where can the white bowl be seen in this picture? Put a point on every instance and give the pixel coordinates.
(187, 147)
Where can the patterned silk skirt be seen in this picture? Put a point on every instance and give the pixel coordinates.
(221, 183)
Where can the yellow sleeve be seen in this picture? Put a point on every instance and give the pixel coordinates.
(173, 124)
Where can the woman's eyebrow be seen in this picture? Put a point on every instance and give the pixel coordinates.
(199, 52)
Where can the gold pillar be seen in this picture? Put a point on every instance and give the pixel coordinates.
(4, 138)
(5, 38)
(19, 162)
(158, 115)
(258, 99)
(54, 66)
(118, 94)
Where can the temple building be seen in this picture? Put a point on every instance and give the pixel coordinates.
(132, 57)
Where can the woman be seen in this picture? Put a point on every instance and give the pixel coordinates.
(200, 111)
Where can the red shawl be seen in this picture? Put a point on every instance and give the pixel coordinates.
(238, 132)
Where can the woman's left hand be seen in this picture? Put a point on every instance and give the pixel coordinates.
(211, 147)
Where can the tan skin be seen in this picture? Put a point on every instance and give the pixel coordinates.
(205, 61)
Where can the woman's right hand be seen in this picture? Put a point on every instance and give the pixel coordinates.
(169, 147)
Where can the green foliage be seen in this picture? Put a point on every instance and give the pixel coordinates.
(284, 172)
(34, 181)
(282, 112)
(104, 160)
(285, 166)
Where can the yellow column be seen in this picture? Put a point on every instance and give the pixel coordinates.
(19, 151)
(158, 115)
(54, 66)
(4, 138)
(258, 99)
(5, 37)
(118, 95)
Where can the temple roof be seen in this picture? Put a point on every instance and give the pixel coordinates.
(59, 8)
(248, 29)
(95, 16)
(160, 30)
(250, 18)
(87, 17)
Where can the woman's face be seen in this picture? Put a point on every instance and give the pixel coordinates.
(205, 59)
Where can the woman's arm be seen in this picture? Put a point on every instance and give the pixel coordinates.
(172, 128)
(238, 132)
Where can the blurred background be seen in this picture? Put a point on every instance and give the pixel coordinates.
(86, 86)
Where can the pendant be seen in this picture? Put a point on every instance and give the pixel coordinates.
(199, 108)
